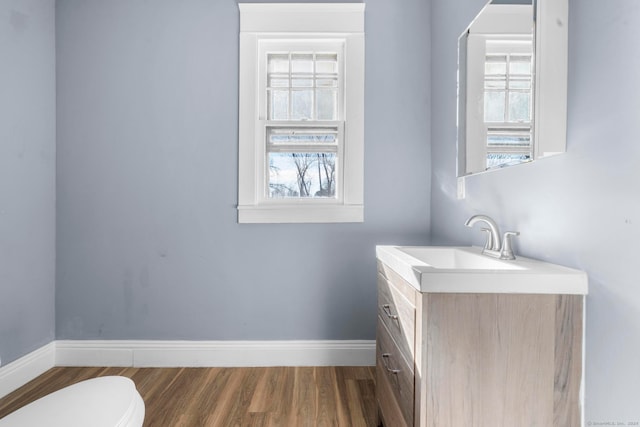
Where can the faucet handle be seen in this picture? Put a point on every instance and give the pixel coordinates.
(507, 248)
(488, 244)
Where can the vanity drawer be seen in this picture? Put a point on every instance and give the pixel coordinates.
(398, 315)
(406, 290)
(387, 403)
(395, 376)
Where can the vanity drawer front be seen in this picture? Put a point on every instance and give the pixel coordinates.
(398, 315)
(395, 375)
(409, 292)
(387, 403)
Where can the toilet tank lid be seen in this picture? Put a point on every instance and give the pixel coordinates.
(99, 402)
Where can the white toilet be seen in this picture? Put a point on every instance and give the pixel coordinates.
(98, 402)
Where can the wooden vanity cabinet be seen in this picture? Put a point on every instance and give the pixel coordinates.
(455, 359)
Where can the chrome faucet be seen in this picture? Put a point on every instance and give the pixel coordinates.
(494, 246)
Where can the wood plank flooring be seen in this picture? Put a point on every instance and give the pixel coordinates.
(243, 397)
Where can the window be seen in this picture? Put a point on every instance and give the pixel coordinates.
(301, 132)
(304, 119)
(497, 89)
(508, 102)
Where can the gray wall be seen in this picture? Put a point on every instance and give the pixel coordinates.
(581, 209)
(148, 245)
(27, 176)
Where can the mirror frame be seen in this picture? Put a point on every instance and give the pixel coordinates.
(550, 51)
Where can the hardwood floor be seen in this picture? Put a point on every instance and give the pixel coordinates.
(243, 397)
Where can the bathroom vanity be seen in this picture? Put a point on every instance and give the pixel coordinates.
(467, 340)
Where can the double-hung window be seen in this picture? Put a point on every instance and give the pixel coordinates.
(508, 96)
(301, 113)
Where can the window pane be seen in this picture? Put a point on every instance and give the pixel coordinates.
(516, 140)
(326, 107)
(495, 64)
(495, 84)
(520, 84)
(278, 82)
(302, 83)
(301, 63)
(519, 107)
(302, 105)
(302, 136)
(495, 160)
(327, 83)
(278, 63)
(520, 65)
(494, 106)
(302, 175)
(278, 104)
(326, 63)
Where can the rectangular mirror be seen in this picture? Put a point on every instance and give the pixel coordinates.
(512, 76)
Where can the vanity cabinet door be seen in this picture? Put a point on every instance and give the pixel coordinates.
(394, 379)
(516, 357)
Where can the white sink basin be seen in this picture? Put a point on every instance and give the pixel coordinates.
(452, 258)
(466, 270)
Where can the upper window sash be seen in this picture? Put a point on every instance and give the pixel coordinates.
(310, 46)
(303, 85)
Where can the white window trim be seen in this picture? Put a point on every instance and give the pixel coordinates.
(327, 21)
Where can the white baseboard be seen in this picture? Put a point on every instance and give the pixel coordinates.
(19, 372)
(184, 354)
(214, 353)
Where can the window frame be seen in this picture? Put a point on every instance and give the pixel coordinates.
(300, 25)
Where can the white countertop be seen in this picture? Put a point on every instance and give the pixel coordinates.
(465, 270)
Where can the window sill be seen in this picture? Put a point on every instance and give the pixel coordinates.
(300, 214)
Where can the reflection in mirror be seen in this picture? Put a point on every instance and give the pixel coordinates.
(500, 80)
(498, 50)
(507, 101)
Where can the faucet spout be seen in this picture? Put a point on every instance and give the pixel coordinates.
(496, 244)
(494, 247)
